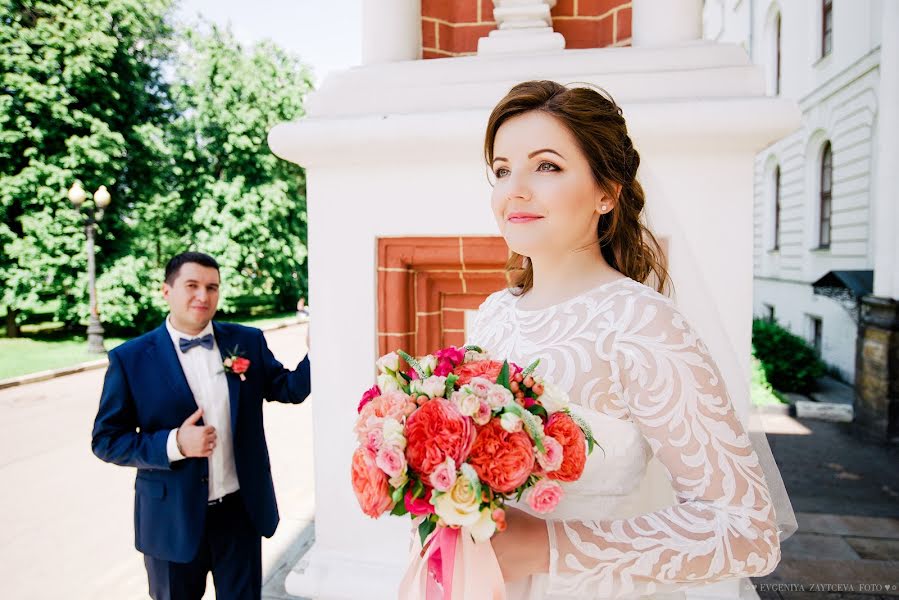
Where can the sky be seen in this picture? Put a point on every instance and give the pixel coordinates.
(325, 34)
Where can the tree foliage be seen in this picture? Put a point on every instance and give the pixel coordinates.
(174, 122)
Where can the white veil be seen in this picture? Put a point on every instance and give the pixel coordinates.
(702, 302)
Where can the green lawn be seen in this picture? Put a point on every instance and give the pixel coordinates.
(20, 356)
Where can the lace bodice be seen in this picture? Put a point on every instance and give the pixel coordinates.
(676, 495)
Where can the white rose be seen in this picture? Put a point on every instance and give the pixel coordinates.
(393, 434)
(467, 403)
(388, 361)
(510, 422)
(484, 527)
(434, 386)
(474, 356)
(460, 505)
(428, 363)
(398, 481)
(553, 399)
(387, 383)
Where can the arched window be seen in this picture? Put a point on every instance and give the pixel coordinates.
(776, 242)
(826, 27)
(777, 55)
(825, 201)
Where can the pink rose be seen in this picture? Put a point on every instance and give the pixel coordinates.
(498, 397)
(444, 476)
(482, 417)
(374, 439)
(419, 506)
(391, 460)
(544, 496)
(452, 354)
(368, 396)
(550, 460)
(480, 386)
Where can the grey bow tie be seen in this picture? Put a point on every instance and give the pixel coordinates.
(206, 341)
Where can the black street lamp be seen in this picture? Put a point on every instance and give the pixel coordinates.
(93, 212)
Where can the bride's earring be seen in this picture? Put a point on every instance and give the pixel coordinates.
(603, 208)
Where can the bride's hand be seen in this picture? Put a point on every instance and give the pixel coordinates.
(523, 548)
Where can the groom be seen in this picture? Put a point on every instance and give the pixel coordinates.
(178, 406)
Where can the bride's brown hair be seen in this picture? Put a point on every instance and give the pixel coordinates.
(597, 124)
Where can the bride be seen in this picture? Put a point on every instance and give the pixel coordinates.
(676, 496)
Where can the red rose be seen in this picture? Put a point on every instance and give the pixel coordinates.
(501, 459)
(482, 368)
(240, 365)
(435, 431)
(574, 446)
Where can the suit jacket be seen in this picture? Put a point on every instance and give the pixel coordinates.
(145, 396)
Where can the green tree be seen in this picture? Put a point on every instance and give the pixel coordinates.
(249, 206)
(81, 96)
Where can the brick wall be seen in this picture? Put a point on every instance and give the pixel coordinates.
(593, 23)
(425, 285)
(453, 27)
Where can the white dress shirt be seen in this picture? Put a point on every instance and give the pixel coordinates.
(207, 380)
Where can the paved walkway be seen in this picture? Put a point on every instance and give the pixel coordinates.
(66, 518)
(845, 491)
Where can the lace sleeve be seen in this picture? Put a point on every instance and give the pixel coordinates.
(477, 333)
(723, 524)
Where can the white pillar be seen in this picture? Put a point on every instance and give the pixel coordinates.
(522, 26)
(666, 22)
(886, 207)
(391, 31)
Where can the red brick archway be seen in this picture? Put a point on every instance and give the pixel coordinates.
(425, 285)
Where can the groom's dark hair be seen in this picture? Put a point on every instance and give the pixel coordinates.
(173, 267)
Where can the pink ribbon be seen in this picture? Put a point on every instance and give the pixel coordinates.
(441, 563)
(452, 566)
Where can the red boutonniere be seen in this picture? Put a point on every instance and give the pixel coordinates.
(234, 363)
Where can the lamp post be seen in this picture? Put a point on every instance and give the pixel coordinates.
(93, 212)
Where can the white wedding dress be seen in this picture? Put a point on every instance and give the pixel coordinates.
(675, 497)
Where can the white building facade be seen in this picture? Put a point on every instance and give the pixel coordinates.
(818, 197)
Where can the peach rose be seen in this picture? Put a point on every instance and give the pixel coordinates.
(502, 460)
(574, 446)
(434, 432)
(488, 369)
(544, 496)
(370, 484)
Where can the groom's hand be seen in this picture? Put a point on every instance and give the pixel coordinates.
(195, 441)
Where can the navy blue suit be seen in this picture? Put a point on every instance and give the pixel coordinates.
(145, 396)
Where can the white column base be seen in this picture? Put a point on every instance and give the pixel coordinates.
(326, 575)
(526, 40)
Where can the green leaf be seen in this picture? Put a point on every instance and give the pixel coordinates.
(398, 493)
(451, 380)
(399, 509)
(418, 490)
(503, 378)
(530, 369)
(472, 347)
(425, 529)
(412, 363)
(538, 410)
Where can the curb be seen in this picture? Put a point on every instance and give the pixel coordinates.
(102, 362)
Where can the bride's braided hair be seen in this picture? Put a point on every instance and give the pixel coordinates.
(597, 124)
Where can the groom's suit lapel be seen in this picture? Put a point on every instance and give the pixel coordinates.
(227, 342)
(162, 352)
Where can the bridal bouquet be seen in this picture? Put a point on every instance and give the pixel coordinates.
(449, 440)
